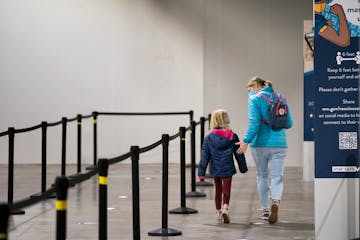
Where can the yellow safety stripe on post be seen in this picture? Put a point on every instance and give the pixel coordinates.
(95, 121)
(2, 235)
(60, 205)
(182, 139)
(103, 180)
(190, 132)
(79, 123)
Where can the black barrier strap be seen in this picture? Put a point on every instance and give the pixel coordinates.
(119, 158)
(103, 166)
(174, 136)
(55, 123)
(28, 129)
(87, 116)
(135, 152)
(150, 147)
(142, 113)
(72, 119)
(4, 133)
(61, 186)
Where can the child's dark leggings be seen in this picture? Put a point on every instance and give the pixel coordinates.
(222, 191)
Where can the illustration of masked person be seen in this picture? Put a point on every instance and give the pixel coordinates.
(324, 28)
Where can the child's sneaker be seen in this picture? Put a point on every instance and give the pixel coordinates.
(219, 216)
(274, 212)
(225, 215)
(265, 214)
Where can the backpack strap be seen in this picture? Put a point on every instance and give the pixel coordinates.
(265, 97)
(269, 101)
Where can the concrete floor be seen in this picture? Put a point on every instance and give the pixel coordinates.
(296, 213)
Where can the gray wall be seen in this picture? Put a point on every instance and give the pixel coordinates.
(258, 37)
(60, 58)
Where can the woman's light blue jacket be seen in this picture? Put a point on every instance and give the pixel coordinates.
(258, 133)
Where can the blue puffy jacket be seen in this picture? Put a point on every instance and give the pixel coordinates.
(220, 151)
(259, 134)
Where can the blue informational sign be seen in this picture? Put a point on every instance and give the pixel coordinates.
(336, 88)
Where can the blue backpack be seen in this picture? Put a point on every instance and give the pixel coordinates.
(277, 112)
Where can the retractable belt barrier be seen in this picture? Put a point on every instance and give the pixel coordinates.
(101, 168)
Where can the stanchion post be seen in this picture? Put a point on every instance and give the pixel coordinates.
(182, 209)
(11, 135)
(63, 147)
(164, 230)
(61, 186)
(191, 116)
(4, 220)
(208, 175)
(193, 192)
(95, 115)
(135, 155)
(79, 120)
(209, 121)
(103, 166)
(11, 132)
(202, 182)
(43, 155)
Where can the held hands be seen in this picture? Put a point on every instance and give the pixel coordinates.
(242, 147)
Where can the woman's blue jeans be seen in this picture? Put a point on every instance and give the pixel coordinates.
(269, 160)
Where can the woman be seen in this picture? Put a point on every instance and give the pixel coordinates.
(268, 147)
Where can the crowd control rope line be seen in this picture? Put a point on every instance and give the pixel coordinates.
(26, 202)
(141, 113)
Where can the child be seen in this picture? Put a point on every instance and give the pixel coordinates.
(219, 148)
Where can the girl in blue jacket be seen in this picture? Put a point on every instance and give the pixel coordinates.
(268, 147)
(219, 148)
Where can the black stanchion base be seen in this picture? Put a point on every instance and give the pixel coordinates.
(40, 194)
(189, 165)
(165, 232)
(356, 238)
(183, 210)
(204, 184)
(195, 194)
(17, 212)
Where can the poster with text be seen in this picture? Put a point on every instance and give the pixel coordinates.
(336, 88)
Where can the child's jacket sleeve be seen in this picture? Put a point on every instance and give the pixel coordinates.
(240, 158)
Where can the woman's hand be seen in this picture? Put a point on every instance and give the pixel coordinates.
(242, 147)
